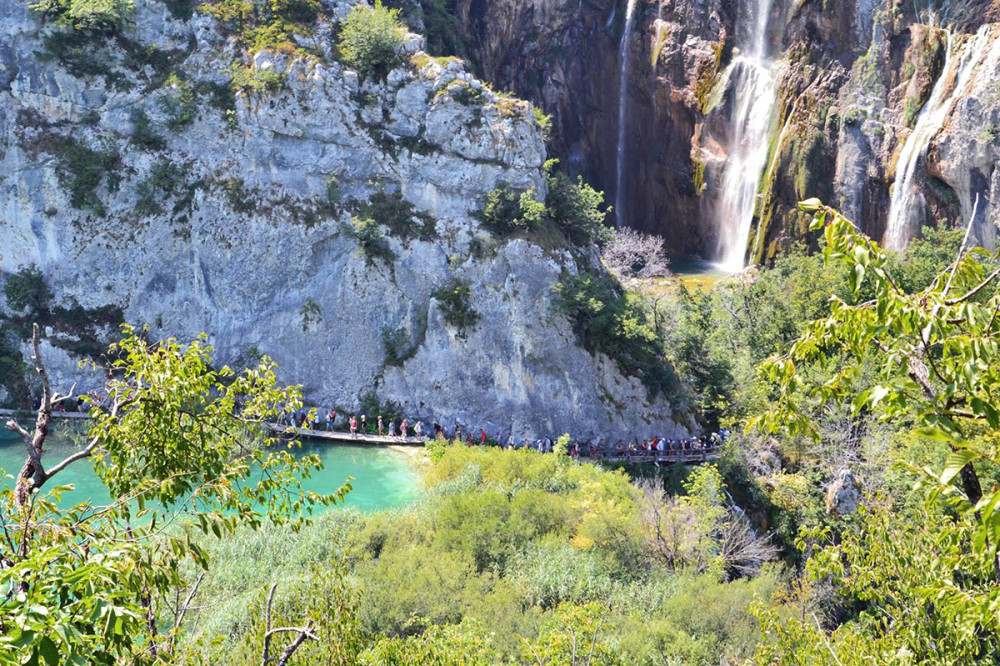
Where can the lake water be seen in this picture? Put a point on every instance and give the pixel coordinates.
(383, 478)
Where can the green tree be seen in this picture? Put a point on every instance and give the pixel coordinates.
(371, 39)
(927, 594)
(183, 450)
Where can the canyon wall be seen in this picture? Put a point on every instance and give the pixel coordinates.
(851, 80)
(145, 189)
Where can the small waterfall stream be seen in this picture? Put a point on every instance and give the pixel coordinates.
(902, 225)
(754, 99)
(623, 113)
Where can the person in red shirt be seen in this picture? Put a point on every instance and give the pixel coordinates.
(482, 436)
(354, 426)
(402, 429)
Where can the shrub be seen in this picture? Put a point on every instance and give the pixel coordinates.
(456, 302)
(607, 321)
(179, 104)
(508, 210)
(543, 120)
(395, 212)
(371, 240)
(253, 80)
(163, 181)
(310, 314)
(576, 208)
(26, 291)
(81, 170)
(143, 134)
(107, 16)
(370, 40)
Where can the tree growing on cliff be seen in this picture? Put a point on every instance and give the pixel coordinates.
(371, 39)
(182, 451)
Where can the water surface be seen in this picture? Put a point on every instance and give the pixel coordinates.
(383, 478)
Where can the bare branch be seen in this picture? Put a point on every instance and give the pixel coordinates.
(634, 254)
(267, 626)
(975, 290)
(961, 251)
(304, 633)
(13, 426)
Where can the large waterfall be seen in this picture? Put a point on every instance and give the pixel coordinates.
(623, 114)
(753, 93)
(903, 221)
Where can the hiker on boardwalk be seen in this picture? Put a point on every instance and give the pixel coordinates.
(418, 430)
(402, 429)
(379, 425)
(354, 426)
(482, 436)
(364, 425)
(392, 428)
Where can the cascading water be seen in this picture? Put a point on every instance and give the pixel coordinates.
(902, 225)
(754, 99)
(623, 113)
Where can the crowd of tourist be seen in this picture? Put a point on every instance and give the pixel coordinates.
(360, 425)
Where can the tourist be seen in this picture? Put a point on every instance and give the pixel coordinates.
(482, 436)
(380, 425)
(510, 441)
(458, 432)
(418, 430)
(354, 426)
(402, 429)
(392, 428)
(329, 420)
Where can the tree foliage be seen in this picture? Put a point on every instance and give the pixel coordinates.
(107, 16)
(607, 320)
(180, 446)
(930, 359)
(371, 39)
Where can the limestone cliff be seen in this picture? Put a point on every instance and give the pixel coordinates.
(135, 178)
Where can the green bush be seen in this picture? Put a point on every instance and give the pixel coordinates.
(395, 212)
(456, 302)
(576, 208)
(143, 134)
(81, 169)
(571, 210)
(508, 210)
(249, 79)
(27, 292)
(106, 16)
(371, 240)
(370, 40)
(179, 104)
(607, 321)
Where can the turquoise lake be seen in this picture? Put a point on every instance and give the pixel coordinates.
(383, 478)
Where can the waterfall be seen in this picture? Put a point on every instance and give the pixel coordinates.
(900, 227)
(753, 93)
(623, 113)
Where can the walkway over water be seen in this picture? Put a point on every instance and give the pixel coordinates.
(690, 456)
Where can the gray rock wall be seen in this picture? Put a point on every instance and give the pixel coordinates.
(244, 243)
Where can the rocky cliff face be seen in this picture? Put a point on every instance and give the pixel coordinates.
(852, 78)
(135, 179)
